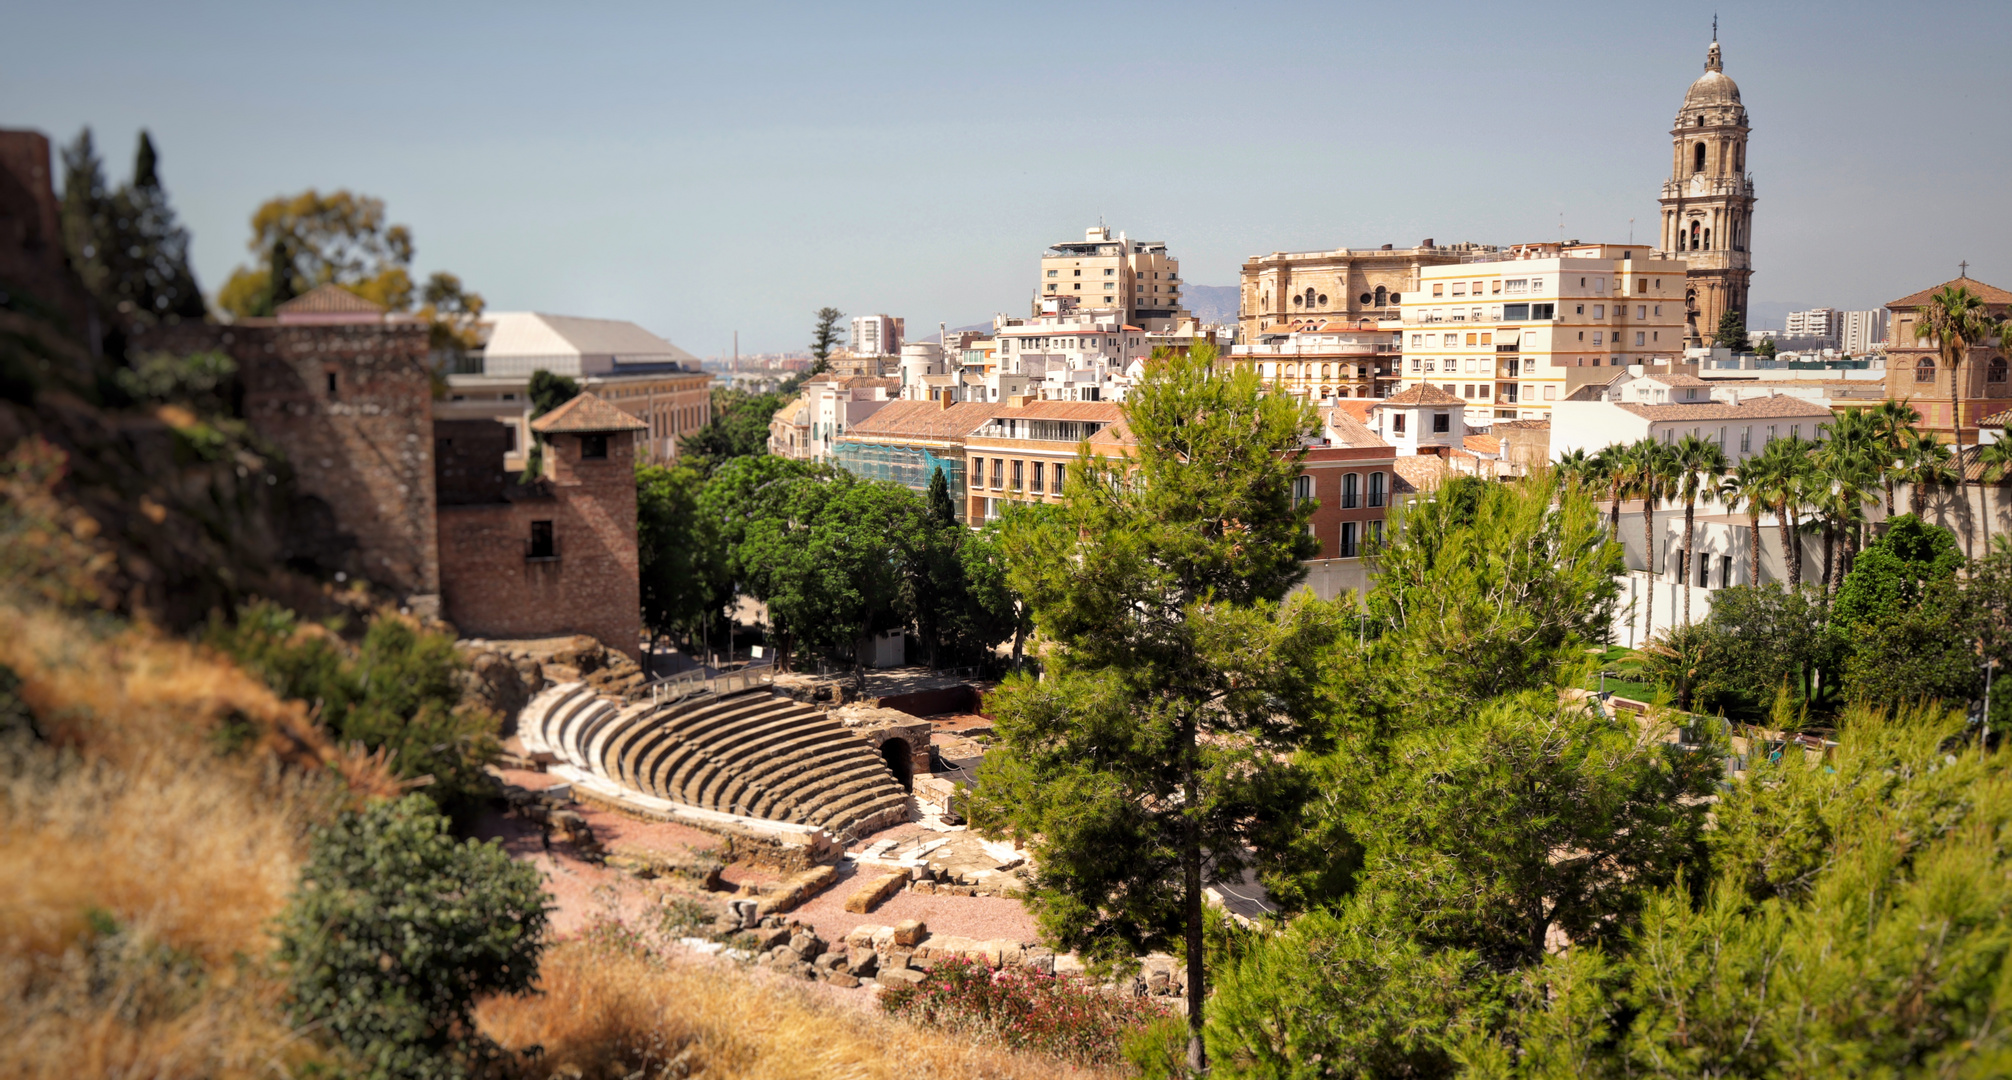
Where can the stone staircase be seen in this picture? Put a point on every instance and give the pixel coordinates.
(752, 753)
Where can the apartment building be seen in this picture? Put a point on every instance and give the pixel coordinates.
(1023, 452)
(824, 410)
(1513, 333)
(1347, 284)
(1065, 353)
(621, 363)
(1321, 360)
(908, 442)
(1667, 407)
(1862, 332)
(876, 335)
(1136, 280)
(1823, 327)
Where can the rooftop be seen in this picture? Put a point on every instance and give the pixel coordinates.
(1991, 294)
(586, 412)
(923, 420)
(1422, 394)
(1757, 407)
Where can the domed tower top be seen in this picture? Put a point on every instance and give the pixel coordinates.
(1714, 88)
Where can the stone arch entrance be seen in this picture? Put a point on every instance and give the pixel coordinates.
(899, 761)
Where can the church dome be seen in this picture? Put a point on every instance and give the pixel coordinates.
(1714, 87)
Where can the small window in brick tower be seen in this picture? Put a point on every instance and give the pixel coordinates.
(593, 446)
(543, 545)
(331, 384)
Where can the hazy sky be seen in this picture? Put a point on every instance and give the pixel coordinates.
(717, 167)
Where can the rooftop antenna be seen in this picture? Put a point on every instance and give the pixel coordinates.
(1715, 26)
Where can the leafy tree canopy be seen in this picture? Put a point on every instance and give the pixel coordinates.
(1892, 572)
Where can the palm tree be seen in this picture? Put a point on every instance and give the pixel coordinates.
(1893, 426)
(1651, 469)
(1954, 319)
(1785, 466)
(1698, 463)
(1841, 483)
(1746, 488)
(1611, 467)
(1576, 466)
(1924, 464)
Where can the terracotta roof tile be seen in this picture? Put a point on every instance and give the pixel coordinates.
(1758, 407)
(1421, 394)
(1424, 472)
(586, 413)
(1483, 444)
(1350, 431)
(328, 299)
(922, 420)
(1992, 294)
(1107, 411)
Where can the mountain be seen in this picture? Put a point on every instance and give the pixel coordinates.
(1214, 303)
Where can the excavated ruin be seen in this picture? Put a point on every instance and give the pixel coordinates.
(738, 749)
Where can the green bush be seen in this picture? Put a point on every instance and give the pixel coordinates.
(396, 929)
(395, 690)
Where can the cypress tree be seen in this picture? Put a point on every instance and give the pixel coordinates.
(126, 245)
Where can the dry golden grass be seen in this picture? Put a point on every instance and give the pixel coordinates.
(610, 1013)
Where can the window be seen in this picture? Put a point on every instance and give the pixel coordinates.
(1417, 340)
(1515, 312)
(1495, 286)
(1487, 339)
(1376, 489)
(1460, 288)
(1348, 539)
(1596, 337)
(998, 473)
(1996, 371)
(1550, 393)
(1770, 433)
(1641, 311)
(1698, 157)
(1924, 370)
(1725, 571)
(1038, 469)
(1442, 423)
(1052, 273)
(1349, 495)
(1018, 466)
(1543, 311)
(1059, 475)
(1599, 311)
(331, 384)
(1397, 423)
(1516, 285)
(1375, 538)
(1704, 571)
(542, 545)
(594, 447)
(1429, 365)
(1640, 338)
(1439, 288)
(1470, 339)
(1302, 489)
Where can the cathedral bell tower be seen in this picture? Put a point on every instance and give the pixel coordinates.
(1708, 201)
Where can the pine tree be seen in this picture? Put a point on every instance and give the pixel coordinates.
(824, 338)
(1732, 332)
(941, 509)
(1174, 676)
(126, 244)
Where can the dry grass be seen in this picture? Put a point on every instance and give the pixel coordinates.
(609, 1013)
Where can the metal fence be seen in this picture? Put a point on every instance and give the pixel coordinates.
(699, 683)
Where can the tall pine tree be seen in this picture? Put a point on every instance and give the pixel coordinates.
(126, 244)
(1176, 679)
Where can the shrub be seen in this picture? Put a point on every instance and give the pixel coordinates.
(396, 929)
(396, 690)
(1056, 1015)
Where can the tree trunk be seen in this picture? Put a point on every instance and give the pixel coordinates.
(1795, 548)
(1191, 873)
(1886, 475)
(1690, 508)
(1614, 513)
(1753, 519)
(1787, 545)
(1829, 547)
(1956, 438)
(1914, 497)
(1649, 566)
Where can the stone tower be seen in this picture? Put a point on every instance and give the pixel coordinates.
(1708, 201)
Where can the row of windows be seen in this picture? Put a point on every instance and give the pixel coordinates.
(1924, 370)
(1045, 476)
(1512, 286)
(1353, 489)
(1746, 435)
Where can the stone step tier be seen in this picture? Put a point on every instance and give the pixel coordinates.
(753, 753)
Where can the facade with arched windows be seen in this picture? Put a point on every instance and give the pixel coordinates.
(1286, 288)
(1917, 373)
(1708, 201)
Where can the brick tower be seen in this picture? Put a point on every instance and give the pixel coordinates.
(1708, 200)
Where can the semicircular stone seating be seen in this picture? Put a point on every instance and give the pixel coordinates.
(753, 753)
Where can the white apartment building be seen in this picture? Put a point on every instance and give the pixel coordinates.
(1822, 327)
(1512, 334)
(1637, 406)
(1136, 280)
(1067, 355)
(876, 335)
(1863, 332)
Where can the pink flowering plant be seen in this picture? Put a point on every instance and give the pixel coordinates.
(1061, 1016)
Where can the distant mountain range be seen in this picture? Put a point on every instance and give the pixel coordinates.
(1213, 303)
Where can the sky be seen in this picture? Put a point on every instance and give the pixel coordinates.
(707, 169)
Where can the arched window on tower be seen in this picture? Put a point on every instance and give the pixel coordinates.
(1924, 370)
(1708, 239)
(1698, 158)
(1309, 297)
(1695, 227)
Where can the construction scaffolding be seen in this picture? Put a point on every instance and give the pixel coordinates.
(909, 466)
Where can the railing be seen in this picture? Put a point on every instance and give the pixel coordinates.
(699, 683)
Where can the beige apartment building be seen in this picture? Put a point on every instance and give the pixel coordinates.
(1136, 278)
(1324, 360)
(1293, 289)
(1513, 336)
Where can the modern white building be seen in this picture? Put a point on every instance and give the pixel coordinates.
(1666, 408)
(622, 363)
(1863, 332)
(1515, 334)
(1822, 327)
(876, 335)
